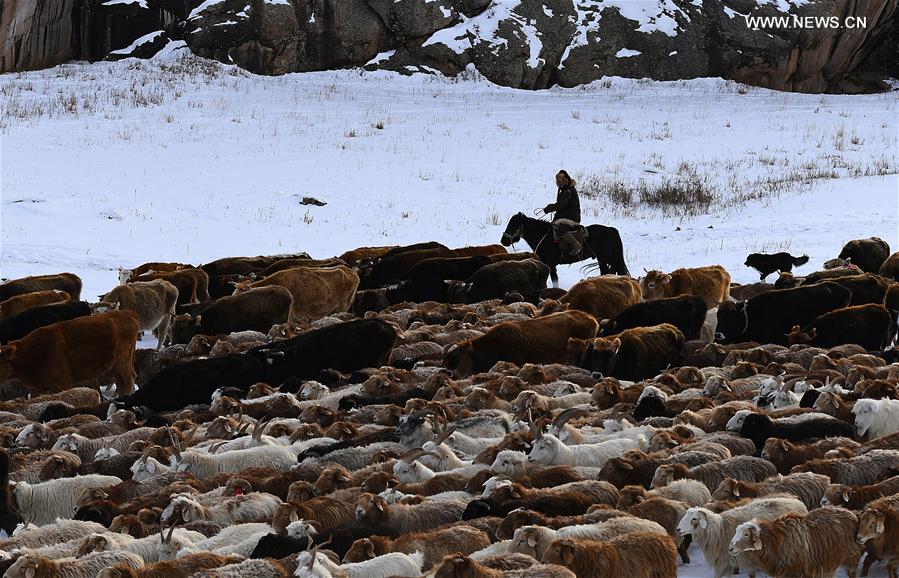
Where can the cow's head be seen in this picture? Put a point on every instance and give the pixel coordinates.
(653, 285)
(601, 354)
(459, 358)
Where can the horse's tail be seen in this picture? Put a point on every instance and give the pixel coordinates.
(617, 260)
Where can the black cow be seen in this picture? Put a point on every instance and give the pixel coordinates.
(769, 317)
(194, 382)
(345, 347)
(867, 254)
(494, 281)
(392, 267)
(865, 288)
(256, 310)
(426, 280)
(20, 325)
(686, 312)
(870, 326)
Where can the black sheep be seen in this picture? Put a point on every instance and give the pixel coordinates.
(277, 546)
(759, 427)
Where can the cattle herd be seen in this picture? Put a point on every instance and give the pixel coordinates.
(427, 411)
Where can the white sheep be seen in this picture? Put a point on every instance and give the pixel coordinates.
(86, 448)
(46, 502)
(549, 451)
(236, 539)
(876, 418)
(252, 507)
(713, 532)
(62, 530)
(147, 548)
(147, 467)
(204, 465)
(314, 565)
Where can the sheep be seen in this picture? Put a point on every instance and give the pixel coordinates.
(204, 465)
(759, 427)
(311, 564)
(31, 566)
(635, 555)
(808, 487)
(878, 530)
(460, 566)
(867, 468)
(238, 539)
(743, 468)
(857, 497)
(147, 548)
(246, 569)
(690, 492)
(713, 532)
(812, 545)
(549, 450)
(86, 448)
(185, 566)
(252, 507)
(534, 540)
(876, 418)
(45, 502)
(784, 454)
(433, 545)
(61, 531)
(404, 518)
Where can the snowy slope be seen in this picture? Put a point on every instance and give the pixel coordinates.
(114, 164)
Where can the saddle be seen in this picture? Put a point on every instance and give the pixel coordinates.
(580, 233)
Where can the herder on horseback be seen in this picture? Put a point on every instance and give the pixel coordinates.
(567, 209)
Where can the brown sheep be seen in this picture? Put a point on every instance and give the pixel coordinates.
(785, 454)
(603, 297)
(185, 565)
(666, 513)
(744, 468)
(857, 497)
(865, 469)
(521, 517)
(460, 566)
(809, 488)
(634, 555)
(540, 340)
(434, 544)
(878, 529)
(711, 283)
(404, 518)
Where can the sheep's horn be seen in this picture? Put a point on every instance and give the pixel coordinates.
(161, 532)
(444, 435)
(566, 415)
(535, 431)
(215, 447)
(190, 434)
(412, 455)
(176, 445)
(242, 430)
(168, 538)
(260, 428)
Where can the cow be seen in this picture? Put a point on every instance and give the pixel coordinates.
(256, 310)
(494, 281)
(153, 301)
(603, 297)
(364, 255)
(686, 312)
(75, 352)
(193, 382)
(129, 275)
(634, 354)
(891, 300)
(769, 317)
(391, 268)
(539, 340)
(245, 265)
(427, 280)
(475, 250)
(867, 254)
(317, 292)
(345, 347)
(18, 326)
(870, 326)
(865, 288)
(711, 283)
(283, 264)
(192, 284)
(26, 301)
(890, 268)
(67, 282)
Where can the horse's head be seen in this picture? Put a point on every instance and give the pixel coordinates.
(512, 234)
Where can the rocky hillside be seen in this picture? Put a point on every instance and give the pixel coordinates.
(518, 43)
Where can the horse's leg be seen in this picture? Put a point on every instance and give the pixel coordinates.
(554, 275)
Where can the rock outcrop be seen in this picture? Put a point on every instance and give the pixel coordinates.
(815, 46)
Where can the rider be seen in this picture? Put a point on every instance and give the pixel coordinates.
(567, 210)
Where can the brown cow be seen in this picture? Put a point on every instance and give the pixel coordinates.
(603, 297)
(363, 255)
(480, 250)
(67, 282)
(153, 301)
(539, 340)
(711, 283)
(317, 291)
(867, 254)
(890, 267)
(76, 352)
(20, 303)
(634, 354)
(192, 284)
(129, 275)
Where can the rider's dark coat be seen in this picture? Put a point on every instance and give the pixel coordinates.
(567, 205)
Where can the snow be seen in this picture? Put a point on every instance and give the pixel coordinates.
(117, 163)
(140, 3)
(627, 53)
(195, 13)
(140, 41)
(381, 58)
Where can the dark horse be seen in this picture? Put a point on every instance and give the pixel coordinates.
(603, 244)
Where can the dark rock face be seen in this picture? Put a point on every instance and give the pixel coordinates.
(519, 43)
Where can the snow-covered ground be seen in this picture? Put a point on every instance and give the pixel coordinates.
(114, 164)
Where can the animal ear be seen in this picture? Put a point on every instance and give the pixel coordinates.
(666, 280)
(846, 496)
(813, 333)
(29, 573)
(380, 505)
(736, 491)
(151, 467)
(616, 344)
(197, 320)
(756, 539)
(880, 527)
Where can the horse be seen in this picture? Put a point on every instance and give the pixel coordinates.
(603, 244)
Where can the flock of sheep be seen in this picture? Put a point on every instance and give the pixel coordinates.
(328, 428)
